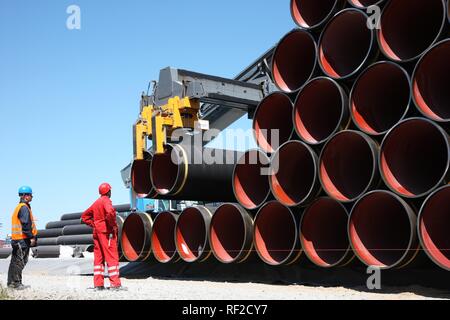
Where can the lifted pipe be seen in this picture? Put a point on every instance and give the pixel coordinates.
(62, 224)
(135, 240)
(192, 234)
(75, 240)
(348, 165)
(49, 233)
(46, 252)
(409, 27)
(141, 182)
(323, 233)
(431, 80)
(293, 178)
(294, 60)
(364, 4)
(414, 157)
(276, 236)
(162, 237)
(382, 230)
(433, 226)
(76, 230)
(194, 173)
(346, 45)
(250, 182)
(231, 233)
(380, 97)
(72, 216)
(272, 122)
(311, 14)
(320, 110)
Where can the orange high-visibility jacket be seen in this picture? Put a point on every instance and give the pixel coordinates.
(17, 233)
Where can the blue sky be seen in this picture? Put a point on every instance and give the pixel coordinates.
(68, 98)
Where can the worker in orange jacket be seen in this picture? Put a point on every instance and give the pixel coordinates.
(101, 216)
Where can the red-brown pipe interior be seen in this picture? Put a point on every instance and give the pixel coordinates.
(309, 13)
(345, 44)
(434, 226)
(294, 61)
(364, 3)
(294, 179)
(414, 157)
(324, 232)
(347, 166)
(140, 178)
(227, 233)
(163, 242)
(273, 122)
(190, 234)
(380, 230)
(275, 233)
(431, 84)
(133, 237)
(409, 27)
(164, 171)
(251, 185)
(318, 110)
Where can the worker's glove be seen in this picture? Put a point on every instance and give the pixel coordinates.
(33, 242)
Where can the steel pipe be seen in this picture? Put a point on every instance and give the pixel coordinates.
(431, 80)
(62, 224)
(320, 110)
(42, 252)
(135, 240)
(364, 4)
(250, 182)
(194, 173)
(272, 122)
(5, 253)
(76, 230)
(382, 230)
(74, 240)
(409, 27)
(414, 157)
(293, 179)
(49, 233)
(380, 97)
(119, 220)
(192, 234)
(433, 225)
(348, 165)
(346, 45)
(294, 60)
(231, 233)
(276, 236)
(162, 237)
(72, 216)
(47, 241)
(323, 233)
(311, 14)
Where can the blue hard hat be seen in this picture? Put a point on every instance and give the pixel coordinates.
(25, 190)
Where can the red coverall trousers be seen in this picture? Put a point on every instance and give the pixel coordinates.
(105, 251)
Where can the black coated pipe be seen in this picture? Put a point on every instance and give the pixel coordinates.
(320, 110)
(364, 4)
(409, 27)
(49, 233)
(135, 240)
(72, 216)
(162, 237)
(47, 241)
(120, 220)
(380, 97)
(76, 230)
(250, 183)
(62, 224)
(312, 14)
(231, 233)
(349, 166)
(75, 240)
(323, 233)
(5, 253)
(382, 230)
(194, 173)
(433, 225)
(42, 252)
(192, 233)
(414, 158)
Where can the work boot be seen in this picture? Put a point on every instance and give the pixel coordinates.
(18, 286)
(99, 288)
(120, 288)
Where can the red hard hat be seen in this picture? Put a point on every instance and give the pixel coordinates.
(104, 188)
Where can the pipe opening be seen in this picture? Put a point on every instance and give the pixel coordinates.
(191, 234)
(380, 98)
(251, 187)
(431, 83)
(318, 110)
(163, 242)
(227, 233)
(434, 223)
(311, 13)
(164, 171)
(324, 232)
(409, 27)
(295, 178)
(362, 4)
(133, 235)
(347, 166)
(140, 178)
(414, 157)
(275, 233)
(294, 60)
(272, 122)
(345, 44)
(380, 229)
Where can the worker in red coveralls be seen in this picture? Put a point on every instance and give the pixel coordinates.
(101, 216)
